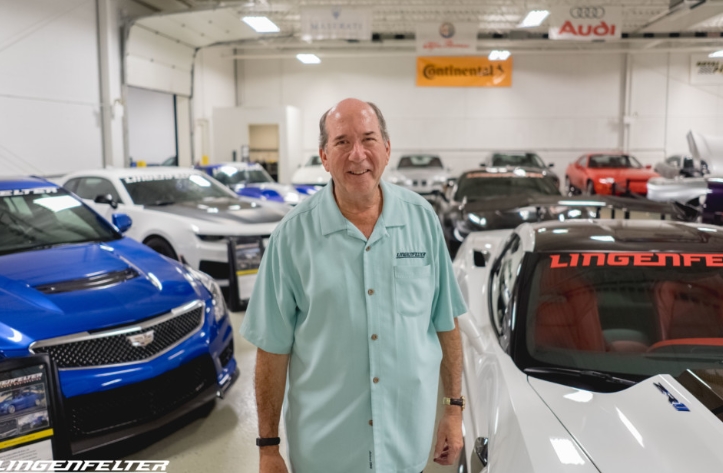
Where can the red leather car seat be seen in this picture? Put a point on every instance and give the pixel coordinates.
(690, 309)
(567, 315)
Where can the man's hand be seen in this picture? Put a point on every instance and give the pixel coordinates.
(449, 436)
(270, 461)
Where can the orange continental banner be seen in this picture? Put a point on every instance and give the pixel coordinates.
(463, 71)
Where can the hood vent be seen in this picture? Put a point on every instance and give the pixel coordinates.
(93, 282)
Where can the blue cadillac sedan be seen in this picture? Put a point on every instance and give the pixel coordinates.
(138, 339)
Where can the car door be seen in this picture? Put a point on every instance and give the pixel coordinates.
(577, 173)
(89, 188)
(483, 381)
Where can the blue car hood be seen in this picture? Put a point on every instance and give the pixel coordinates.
(29, 314)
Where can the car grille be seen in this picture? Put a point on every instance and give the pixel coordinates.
(138, 403)
(111, 347)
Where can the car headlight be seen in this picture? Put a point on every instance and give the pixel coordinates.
(219, 303)
(477, 220)
(607, 180)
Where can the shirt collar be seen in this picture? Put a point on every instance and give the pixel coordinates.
(333, 221)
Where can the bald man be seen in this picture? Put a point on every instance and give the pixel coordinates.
(355, 305)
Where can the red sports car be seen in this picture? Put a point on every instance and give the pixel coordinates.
(608, 173)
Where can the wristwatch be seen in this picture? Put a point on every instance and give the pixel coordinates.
(267, 442)
(453, 401)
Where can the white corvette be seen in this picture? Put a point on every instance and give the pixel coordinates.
(183, 213)
(593, 346)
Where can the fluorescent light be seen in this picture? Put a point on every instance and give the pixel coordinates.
(716, 54)
(579, 395)
(496, 55)
(308, 58)
(58, 203)
(603, 238)
(261, 24)
(534, 18)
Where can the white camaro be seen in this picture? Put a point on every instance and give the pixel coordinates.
(184, 213)
(593, 346)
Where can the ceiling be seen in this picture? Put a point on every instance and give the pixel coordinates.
(649, 24)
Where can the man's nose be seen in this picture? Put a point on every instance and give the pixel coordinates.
(357, 152)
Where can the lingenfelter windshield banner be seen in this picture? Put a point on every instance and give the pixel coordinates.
(463, 71)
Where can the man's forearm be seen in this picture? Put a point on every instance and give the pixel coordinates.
(270, 385)
(451, 371)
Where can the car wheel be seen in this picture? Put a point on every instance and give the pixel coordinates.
(37, 402)
(11, 409)
(590, 189)
(161, 246)
(569, 190)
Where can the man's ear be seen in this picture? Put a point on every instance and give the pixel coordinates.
(388, 146)
(324, 159)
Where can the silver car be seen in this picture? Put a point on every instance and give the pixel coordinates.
(422, 173)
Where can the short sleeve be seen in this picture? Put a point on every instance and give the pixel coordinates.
(271, 314)
(448, 302)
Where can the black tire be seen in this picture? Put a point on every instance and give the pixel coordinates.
(569, 189)
(590, 188)
(161, 246)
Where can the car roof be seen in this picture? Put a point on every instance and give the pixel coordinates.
(625, 235)
(23, 182)
(134, 172)
(235, 164)
(497, 170)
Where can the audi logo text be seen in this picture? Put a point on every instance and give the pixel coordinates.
(587, 13)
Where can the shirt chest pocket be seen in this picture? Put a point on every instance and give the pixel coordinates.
(413, 290)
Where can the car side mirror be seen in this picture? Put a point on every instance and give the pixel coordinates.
(122, 222)
(648, 166)
(480, 258)
(483, 165)
(552, 165)
(106, 199)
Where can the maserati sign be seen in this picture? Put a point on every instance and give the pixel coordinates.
(336, 22)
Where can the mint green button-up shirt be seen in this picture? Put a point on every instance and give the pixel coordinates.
(360, 320)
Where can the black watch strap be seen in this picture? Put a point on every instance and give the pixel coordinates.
(267, 442)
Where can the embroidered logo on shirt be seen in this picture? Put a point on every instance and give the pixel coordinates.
(411, 255)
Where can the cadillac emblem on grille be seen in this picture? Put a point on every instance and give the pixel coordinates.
(142, 339)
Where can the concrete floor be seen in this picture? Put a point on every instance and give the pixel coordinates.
(224, 441)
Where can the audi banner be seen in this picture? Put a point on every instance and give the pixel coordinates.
(463, 71)
(586, 23)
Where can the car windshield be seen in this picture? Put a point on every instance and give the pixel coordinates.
(613, 161)
(314, 161)
(42, 218)
(517, 159)
(231, 175)
(627, 313)
(482, 185)
(420, 161)
(160, 189)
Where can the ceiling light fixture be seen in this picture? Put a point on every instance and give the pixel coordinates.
(534, 18)
(496, 55)
(261, 24)
(308, 58)
(716, 54)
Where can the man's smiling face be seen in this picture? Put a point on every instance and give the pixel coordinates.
(356, 154)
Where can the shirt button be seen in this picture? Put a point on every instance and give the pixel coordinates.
(370, 292)
(369, 248)
(376, 380)
(374, 336)
(371, 422)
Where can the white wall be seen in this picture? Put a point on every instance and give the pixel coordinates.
(151, 125)
(214, 86)
(49, 95)
(560, 105)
